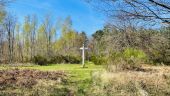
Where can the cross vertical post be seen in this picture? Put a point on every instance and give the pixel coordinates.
(83, 55)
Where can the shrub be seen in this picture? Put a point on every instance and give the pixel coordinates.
(40, 60)
(134, 53)
(58, 59)
(159, 57)
(134, 57)
(72, 59)
(129, 59)
(98, 60)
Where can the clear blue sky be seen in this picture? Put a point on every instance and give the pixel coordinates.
(84, 17)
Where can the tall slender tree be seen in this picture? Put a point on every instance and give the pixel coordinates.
(9, 24)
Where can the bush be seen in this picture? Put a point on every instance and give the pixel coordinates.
(129, 59)
(134, 57)
(160, 57)
(134, 53)
(72, 59)
(98, 60)
(58, 59)
(40, 60)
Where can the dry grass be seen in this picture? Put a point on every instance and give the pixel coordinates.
(153, 81)
(15, 82)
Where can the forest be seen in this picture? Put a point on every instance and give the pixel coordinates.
(129, 56)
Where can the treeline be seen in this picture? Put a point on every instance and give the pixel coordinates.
(54, 42)
(32, 39)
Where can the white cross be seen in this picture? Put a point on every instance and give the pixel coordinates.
(83, 55)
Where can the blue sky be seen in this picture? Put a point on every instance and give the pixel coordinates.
(84, 17)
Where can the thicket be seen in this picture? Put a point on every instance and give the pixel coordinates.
(129, 47)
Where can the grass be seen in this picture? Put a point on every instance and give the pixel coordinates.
(79, 78)
(83, 82)
(152, 81)
(74, 69)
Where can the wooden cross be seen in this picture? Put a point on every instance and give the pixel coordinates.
(83, 55)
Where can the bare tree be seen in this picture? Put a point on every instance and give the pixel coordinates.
(147, 10)
(19, 49)
(49, 31)
(33, 35)
(9, 25)
(2, 34)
